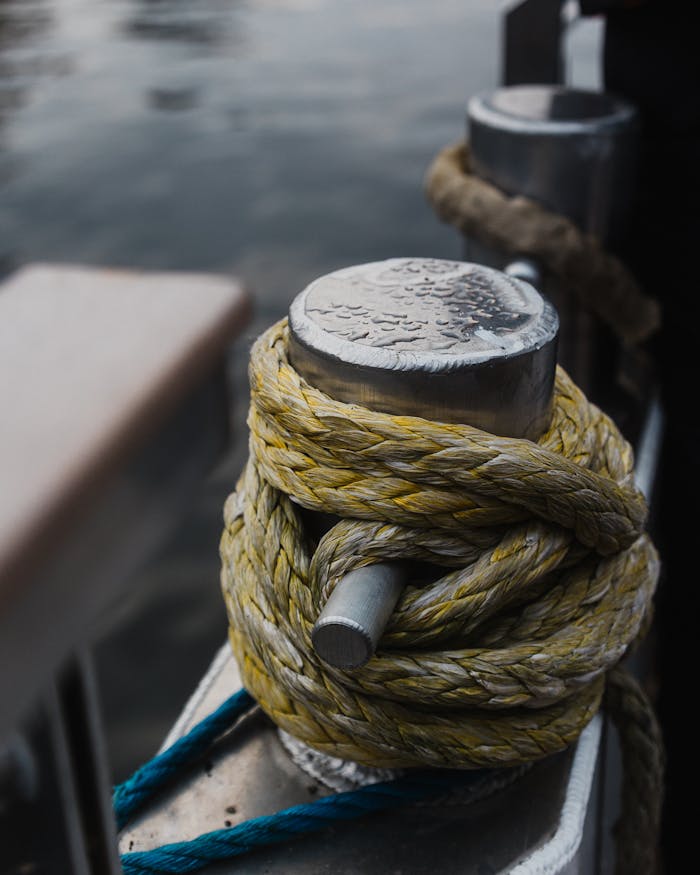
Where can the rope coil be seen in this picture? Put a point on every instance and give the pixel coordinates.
(545, 573)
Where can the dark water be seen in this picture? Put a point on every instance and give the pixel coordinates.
(273, 138)
(276, 139)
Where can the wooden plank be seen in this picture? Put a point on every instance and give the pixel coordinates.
(91, 361)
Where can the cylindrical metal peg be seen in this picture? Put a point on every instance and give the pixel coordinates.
(445, 340)
(525, 269)
(356, 613)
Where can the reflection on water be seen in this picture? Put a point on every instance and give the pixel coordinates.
(21, 22)
(279, 139)
(276, 138)
(186, 20)
(173, 99)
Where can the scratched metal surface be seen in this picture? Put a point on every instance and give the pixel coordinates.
(443, 313)
(440, 339)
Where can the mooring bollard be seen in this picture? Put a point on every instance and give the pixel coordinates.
(443, 340)
(573, 152)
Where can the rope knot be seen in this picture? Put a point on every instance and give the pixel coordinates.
(533, 573)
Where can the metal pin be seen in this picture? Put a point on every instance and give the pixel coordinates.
(356, 613)
(445, 340)
(525, 269)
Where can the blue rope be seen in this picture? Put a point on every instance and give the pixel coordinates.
(153, 775)
(258, 832)
(224, 844)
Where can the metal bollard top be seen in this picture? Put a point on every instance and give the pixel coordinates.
(444, 340)
(572, 150)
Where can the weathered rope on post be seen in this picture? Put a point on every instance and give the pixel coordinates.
(522, 227)
(547, 578)
(546, 573)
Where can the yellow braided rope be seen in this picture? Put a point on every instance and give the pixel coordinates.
(547, 574)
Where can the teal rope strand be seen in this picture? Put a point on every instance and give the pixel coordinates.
(258, 832)
(153, 775)
(224, 844)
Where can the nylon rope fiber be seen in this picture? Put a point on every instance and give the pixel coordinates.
(545, 573)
